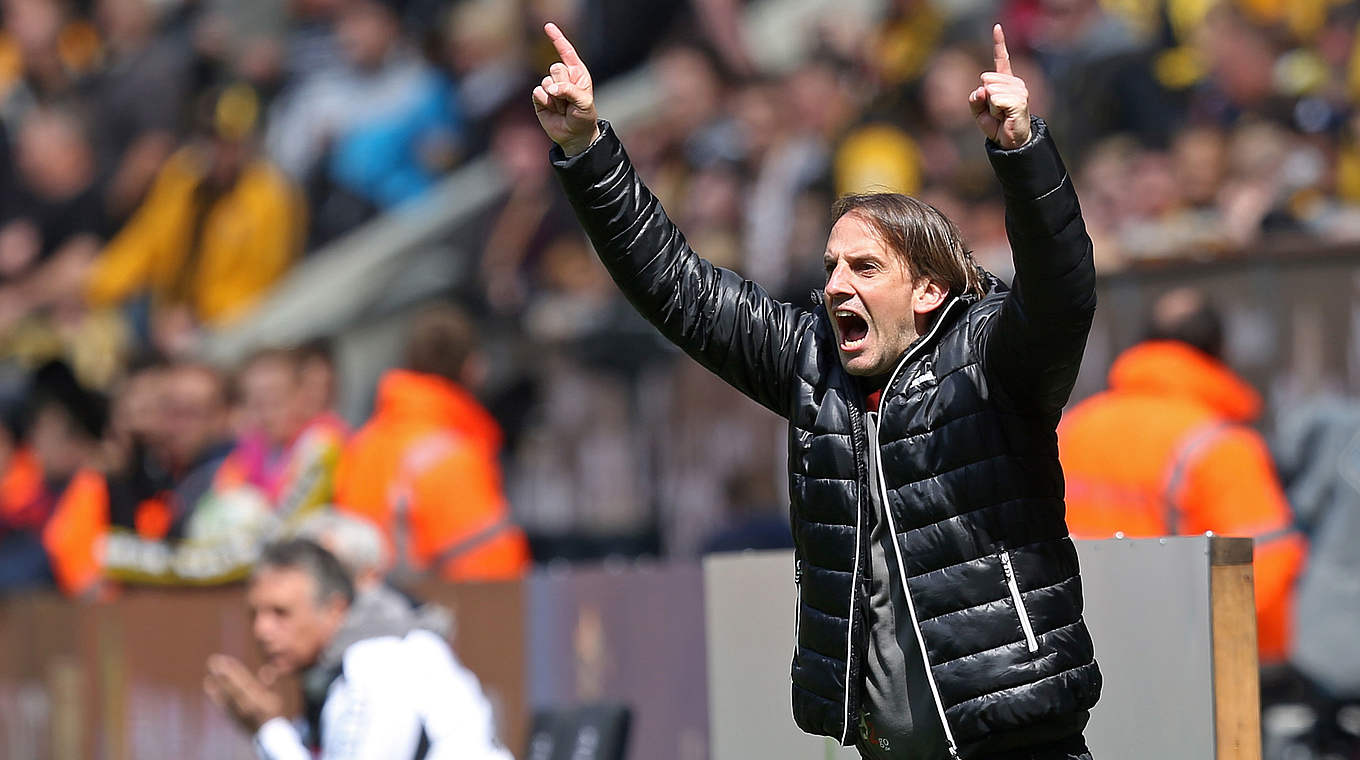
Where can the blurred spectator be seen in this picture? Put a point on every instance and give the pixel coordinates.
(195, 441)
(56, 219)
(796, 163)
(1103, 74)
(385, 696)
(68, 421)
(289, 448)
(45, 53)
(169, 428)
(378, 609)
(425, 466)
(1319, 450)
(534, 217)
(1167, 451)
(218, 229)
(318, 381)
(141, 68)
(23, 510)
(617, 35)
(481, 45)
(372, 134)
(312, 46)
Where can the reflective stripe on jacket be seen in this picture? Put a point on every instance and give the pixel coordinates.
(425, 470)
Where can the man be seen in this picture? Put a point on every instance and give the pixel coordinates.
(193, 444)
(372, 134)
(1167, 450)
(24, 507)
(939, 597)
(58, 214)
(64, 434)
(378, 608)
(289, 450)
(388, 697)
(217, 229)
(116, 532)
(425, 468)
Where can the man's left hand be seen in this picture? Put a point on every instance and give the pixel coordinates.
(245, 695)
(1001, 104)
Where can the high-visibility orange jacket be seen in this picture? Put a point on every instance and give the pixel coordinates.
(1167, 451)
(425, 469)
(21, 492)
(73, 536)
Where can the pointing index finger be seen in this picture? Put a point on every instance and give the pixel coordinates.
(564, 47)
(1000, 56)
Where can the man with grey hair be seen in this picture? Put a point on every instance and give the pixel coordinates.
(379, 609)
(385, 697)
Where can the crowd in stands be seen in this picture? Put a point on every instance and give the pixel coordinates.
(183, 476)
(163, 164)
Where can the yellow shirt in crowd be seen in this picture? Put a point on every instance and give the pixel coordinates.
(247, 237)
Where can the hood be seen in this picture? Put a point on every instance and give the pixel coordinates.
(414, 396)
(1171, 368)
(376, 612)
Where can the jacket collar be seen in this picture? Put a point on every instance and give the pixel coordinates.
(1171, 368)
(405, 395)
(946, 315)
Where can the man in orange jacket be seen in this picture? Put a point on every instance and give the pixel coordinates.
(1167, 450)
(425, 467)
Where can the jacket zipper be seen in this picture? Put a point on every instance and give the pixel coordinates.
(906, 591)
(1020, 610)
(797, 605)
(855, 421)
(892, 526)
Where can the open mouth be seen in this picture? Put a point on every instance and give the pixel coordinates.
(853, 329)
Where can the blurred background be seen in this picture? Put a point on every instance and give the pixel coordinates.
(254, 253)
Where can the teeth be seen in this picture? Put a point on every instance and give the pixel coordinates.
(845, 313)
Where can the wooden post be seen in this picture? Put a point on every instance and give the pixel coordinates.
(1237, 690)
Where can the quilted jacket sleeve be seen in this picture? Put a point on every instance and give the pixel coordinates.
(728, 324)
(1034, 345)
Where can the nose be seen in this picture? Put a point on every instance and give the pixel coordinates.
(838, 282)
(262, 630)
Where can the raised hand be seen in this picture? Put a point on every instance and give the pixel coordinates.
(565, 100)
(1001, 104)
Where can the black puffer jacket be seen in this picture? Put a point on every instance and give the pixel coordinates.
(967, 444)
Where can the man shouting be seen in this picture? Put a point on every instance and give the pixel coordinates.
(939, 601)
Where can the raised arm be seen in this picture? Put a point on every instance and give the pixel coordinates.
(1034, 345)
(728, 324)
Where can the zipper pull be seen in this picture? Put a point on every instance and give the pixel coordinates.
(1006, 567)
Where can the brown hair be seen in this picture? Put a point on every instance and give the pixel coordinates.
(440, 342)
(924, 238)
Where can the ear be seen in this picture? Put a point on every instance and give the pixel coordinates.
(927, 295)
(336, 610)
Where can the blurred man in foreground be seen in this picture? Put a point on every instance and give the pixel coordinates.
(379, 608)
(940, 608)
(383, 698)
(1168, 450)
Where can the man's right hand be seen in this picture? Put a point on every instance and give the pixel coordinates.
(565, 100)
